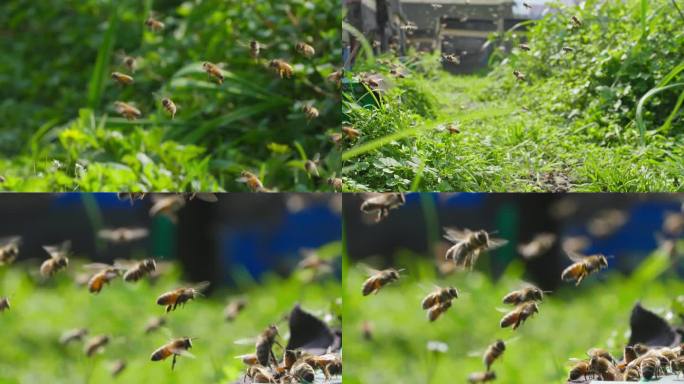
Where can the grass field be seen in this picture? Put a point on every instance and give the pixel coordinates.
(31, 352)
(570, 321)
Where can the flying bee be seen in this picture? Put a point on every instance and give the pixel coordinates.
(453, 128)
(130, 196)
(140, 270)
(583, 266)
(439, 296)
(576, 22)
(649, 367)
(264, 346)
(234, 308)
(568, 49)
(450, 59)
(437, 310)
(527, 5)
(540, 244)
(519, 75)
(175, 348)
(311, 112)
(579, 369)
(481, 377)
(493, 352)
(122, 235)
(673, 223)
(382, 204)
(117, 367)
(468, 245)
(154, 25)
(378, 280)
(312, 261)
(336, 77)
(252, 182)
(607, 222)
(255, 49)
(154, 324)
(4, 304)
(95, 344)
(181, 296)
(9, 249)
(58, 258)
(518, 315)
(167, 205)
(122, 78)
(302, 371)
(105, 274)
(524, 47)
(214, 71)
(169, 106)
(367, 330)
(126, 110)
(311, 165)
(73, 335)
(335, 183)
(305, 50)
(282, 68)
(130, 62)
(330, 364)
(528, 293)
(351, 132)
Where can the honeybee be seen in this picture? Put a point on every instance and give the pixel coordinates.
(117, 367)
(9, 249)
(678, 364)
(673, 224)
(524, 47)
(579, 369)
(311, 112)
(234, 308)
(95, 344)
(604, 368)
(451, 59)
(4, 304)
(602, 353)
(367, 330)
(260, 374)
(335, 183)
(255, 49)
(575, 243)
(2, 179)
(130, 62)
(180, 296)
(528, 293)
(607, 222)
(282, 68)
(311, 166)
(58, 258)
(519, 75)
(583, 266)
(453, 128)
(568, 49)
(439, 296)
(290, 357)
(154, 324)
(378, 280)
(130, 196)
(305, 49)
(214, 71)
(336, 77)
(303, 372)
(122, 235)
(468, 245)
(154, 25)
(518, 315)
(264, 345)
(576, 22)
(175, 348)
(649, 367)
(140, 270)
(170, 106)
(437, 310)
(493, 352)
(631, 374)
(126, 110)
(73, 335)
(106, 274)
(540, 244)
(167, 205)
(382, 204)
(640, 349)
(351, 132)
(481, 377)
(527, 5)
(252, 181)
(248, 359)
(313, 262)
(629, 354)
(330, 364)
(122, 78)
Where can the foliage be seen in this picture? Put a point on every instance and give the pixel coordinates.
(57, 77)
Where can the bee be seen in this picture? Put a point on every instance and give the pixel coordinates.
(518, 315)
(311, 166)
(167, 205)
(234, 308)
(9, 249)
(139, 270)
(629, 354)
(105, 274)
(181, 295)
(122, 235)
(290, 357)
(519, 75)
(330, 364)
(95, 345)
(2, 179)
(607, 222)
(604, 368)
(453, 128)
(214, 71)
(126, 110)
(264, 345)
(305, 49)
(437, 310)
(336, 77)
(439, 296)
(481, 377)
(122, 78)
(649, 367)
(311, 112)
(154, 25)
(579, 369)
(367, 330)
(248, 359)
(468, 245)
(528, 293)
(282, 68)
(583, 266)
(673, 224)
(170, 106)
(260, 374)
(382, 204)
(493, 352)
(255, 49)
(130, 62)
(678, 364)
(568, 49)
(640, 349)
(58, 258)
(313, 262)
(378, 280)
(117, 367)
(351, 132)
(252, 181)
(524, 47)
(335, 183)
(154, 324)
(303, 372)
(527, 5)
(4, 304)
(175, 348)
(130, 196)
(602, 353)
(73, 335)
(631, 374)
(576, 22)
(451, 59)
(540, 244)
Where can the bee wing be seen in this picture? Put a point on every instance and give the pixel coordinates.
(575, 256)
(208, 197)
(56, 250)
(456, 235)
(200, 287)
(106, 234)
(245, 341)
(317, 157)
(96, 266)
(10, 240)
(369, 271)
(497, 243)
(475, 353)
(574, 360)
(183, 352)
(504, 310)
(138, 233)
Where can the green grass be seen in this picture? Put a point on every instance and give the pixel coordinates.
(571, 320)
(31, 329)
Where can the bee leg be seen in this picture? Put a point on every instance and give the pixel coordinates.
(173, 362)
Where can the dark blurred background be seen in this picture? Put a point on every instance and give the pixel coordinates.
(417, 226)
(253, 232)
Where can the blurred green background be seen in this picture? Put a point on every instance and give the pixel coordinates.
(59, 129)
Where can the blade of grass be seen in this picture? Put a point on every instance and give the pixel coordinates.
(104, 55)
(640, 108)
